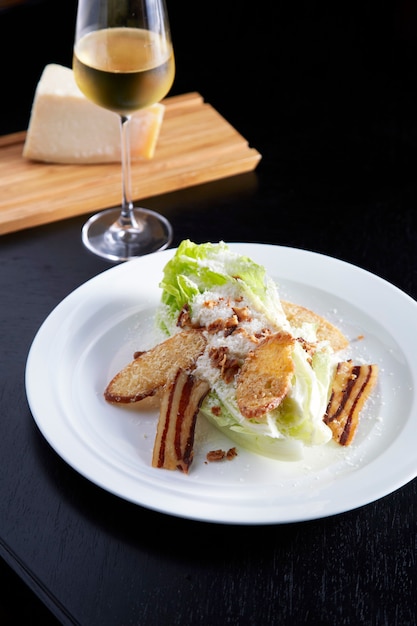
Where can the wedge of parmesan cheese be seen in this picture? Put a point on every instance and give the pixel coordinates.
(65, 127)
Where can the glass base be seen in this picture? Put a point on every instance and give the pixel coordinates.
(105, 234)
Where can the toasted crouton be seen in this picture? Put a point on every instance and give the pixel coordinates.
(181, 399)
(265, 376)
(351, 387)
(297, 315)
(146, 374)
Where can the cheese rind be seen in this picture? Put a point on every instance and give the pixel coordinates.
(65, 127)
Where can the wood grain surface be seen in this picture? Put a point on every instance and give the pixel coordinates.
(196, 145)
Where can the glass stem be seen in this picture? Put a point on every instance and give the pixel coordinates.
(127, 218)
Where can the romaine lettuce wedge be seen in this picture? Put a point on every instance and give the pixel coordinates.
(215, 271)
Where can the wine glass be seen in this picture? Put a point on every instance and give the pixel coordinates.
(124, 61)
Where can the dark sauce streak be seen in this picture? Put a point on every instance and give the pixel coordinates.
(188, 450)
(161, 456)
(346, 430)
(181, 415)
(347, 393)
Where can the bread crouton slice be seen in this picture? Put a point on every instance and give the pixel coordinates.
(297, 315)
(180, 403)
(352, 385)
(265, 377)
(146, 374)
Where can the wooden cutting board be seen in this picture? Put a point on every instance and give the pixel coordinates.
(196, 145)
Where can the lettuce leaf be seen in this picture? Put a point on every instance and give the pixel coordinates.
(197, 268)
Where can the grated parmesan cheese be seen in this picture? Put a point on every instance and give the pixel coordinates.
(209, 308)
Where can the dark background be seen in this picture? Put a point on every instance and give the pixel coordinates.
(326, 95)
(332, 85)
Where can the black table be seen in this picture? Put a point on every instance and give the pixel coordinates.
(326, 99)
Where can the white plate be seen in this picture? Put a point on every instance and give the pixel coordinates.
(94, 332)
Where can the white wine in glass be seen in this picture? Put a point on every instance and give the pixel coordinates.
(124, 61)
